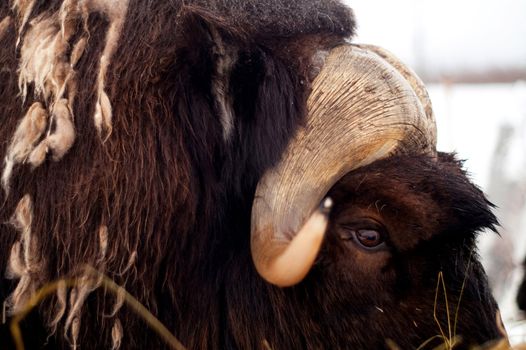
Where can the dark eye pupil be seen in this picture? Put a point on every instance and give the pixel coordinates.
(369, 238)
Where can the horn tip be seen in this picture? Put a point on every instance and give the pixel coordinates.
(291, 264)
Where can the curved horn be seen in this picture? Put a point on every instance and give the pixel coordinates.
(416, 84)
(361, 109)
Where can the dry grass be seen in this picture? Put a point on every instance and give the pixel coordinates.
(449, 339)
(109, 285)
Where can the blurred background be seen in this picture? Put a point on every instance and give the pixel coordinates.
(471, 54)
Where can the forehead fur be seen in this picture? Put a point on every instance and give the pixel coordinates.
(417, 197)
(285, 18)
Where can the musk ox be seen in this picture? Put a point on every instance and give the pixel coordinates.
(182, 149)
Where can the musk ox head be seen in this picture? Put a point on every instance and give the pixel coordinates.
(397, 255)
(365, 105)
(401, 243)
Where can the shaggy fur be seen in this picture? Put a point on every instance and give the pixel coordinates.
(155, 122)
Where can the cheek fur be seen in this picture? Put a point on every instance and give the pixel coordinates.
(364, 275)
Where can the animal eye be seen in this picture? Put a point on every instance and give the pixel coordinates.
(368, 238)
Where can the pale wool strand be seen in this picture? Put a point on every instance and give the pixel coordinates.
(25, 261)
(30, 129)
(116, 334)
(23, 215)
(43, 56)
(77, 51)
(68, 12)
(129, 265)
(103, 243)
(75, 330)
(61, 306)
(4, 25)
(40, 51)
(22, 220)
(86, 284)
(61, 140)
(119, 302)
(116, 13)
(21, 294)
(17, 266)
(77, 297)
(24, 7)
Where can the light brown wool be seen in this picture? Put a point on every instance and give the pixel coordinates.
(43, 55)
(119, 302)
(85, 285)
(45, 65)
(61, 140)
(22, 220)
(43, 49)
(130, 264)
(44, 62)
(20, 296)
(103, 111)
(4, 25)
(17, 266)
(69, 11)
(116, 334)
(103, 243)
(116, 13)
(29, 131)
(24, 8)
(77, 51)
(75, 330)
(25, 262)
(38, 155)
(62, 294)
(23, 215)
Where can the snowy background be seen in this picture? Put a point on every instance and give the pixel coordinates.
(472, 56)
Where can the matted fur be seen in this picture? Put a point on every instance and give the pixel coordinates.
(26, 262)
(156, 122)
